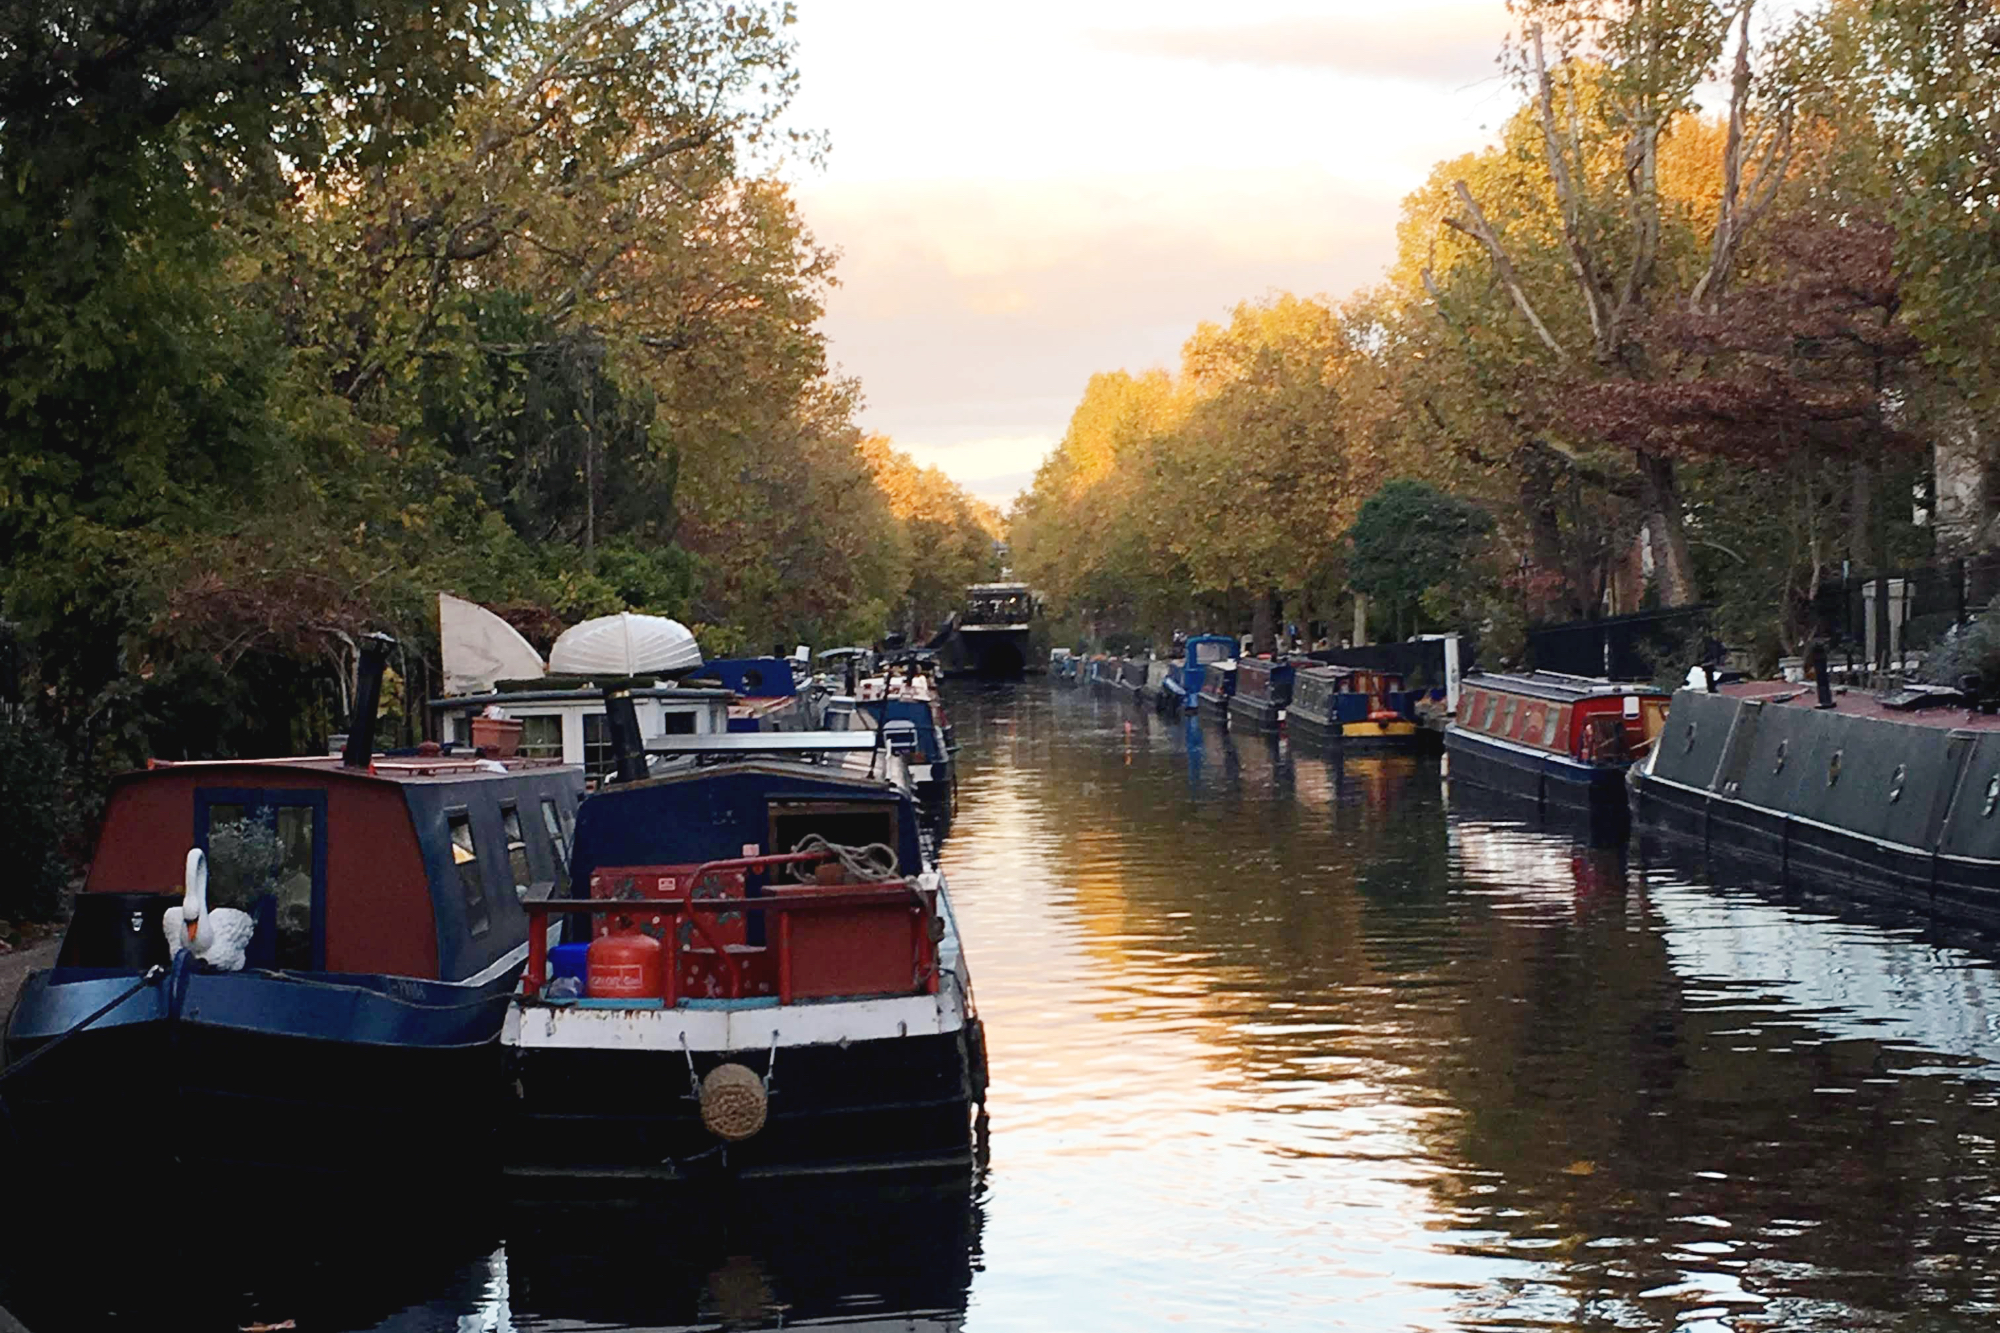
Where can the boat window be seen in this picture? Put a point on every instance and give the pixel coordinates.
(541, 737)
(1486, 721)
(559, 838)
(517, 850)
(677, 722)
(598, 762)
(1550, 724)
(1507, 717)
(466, 858)
(264, 849)
(1204, 653)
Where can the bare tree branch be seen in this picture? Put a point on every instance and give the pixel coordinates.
(1476, 226)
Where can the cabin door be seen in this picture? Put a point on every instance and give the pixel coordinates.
(267, 855)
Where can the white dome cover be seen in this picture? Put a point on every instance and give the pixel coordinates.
(480, 648)
(625, 645)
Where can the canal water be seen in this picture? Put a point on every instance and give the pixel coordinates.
(1278, 1042)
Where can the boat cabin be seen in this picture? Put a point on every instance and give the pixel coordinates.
(1218, 682)
(1588, 721)
(724, 866)
(414, 867)
(767, 695)
(567, 725)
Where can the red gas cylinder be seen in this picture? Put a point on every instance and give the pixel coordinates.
(624, 967)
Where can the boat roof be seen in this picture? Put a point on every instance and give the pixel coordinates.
(996, 587)
(578, 695)
(1557, 686)
(764, 742)
(383, 768)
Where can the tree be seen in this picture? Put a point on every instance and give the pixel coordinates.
(1411, 539)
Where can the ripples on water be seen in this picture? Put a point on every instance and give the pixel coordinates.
(1284, 1042)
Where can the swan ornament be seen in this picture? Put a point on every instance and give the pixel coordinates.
(220, 938)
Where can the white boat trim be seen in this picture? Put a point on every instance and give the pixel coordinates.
(542, 1027)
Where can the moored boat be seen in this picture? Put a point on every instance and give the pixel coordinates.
(356, 925)
(1263, 692)
(773, 982)
(1893, 798)
(1563, 742)
(1351, 707)
(1181, 690)
(1218, 683)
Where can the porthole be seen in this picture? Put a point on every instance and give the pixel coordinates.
(1897, 781)
(1778, 761)
(1833, 768)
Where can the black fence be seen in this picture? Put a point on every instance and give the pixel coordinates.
(1631, 647)
(1922, 602)
(1419, 663)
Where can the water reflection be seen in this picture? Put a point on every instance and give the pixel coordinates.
(1285, 1040)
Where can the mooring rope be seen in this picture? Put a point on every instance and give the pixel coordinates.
(870, 863)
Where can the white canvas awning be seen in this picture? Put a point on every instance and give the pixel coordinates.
(624, 645)
(479, 648)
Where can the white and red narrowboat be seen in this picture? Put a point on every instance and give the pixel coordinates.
(290, 966)
(1564, 742)
(764, 979)
(1351, 707)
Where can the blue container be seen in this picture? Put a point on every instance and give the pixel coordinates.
(569, 960)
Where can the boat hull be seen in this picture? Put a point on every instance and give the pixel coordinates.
(999, 653)
(625, 1116)
(342, 1080)
(1262, 715)
(1390, 737)
(1556, 784)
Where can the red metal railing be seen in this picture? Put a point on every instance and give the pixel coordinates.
(783, 902)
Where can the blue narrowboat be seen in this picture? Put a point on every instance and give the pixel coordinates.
(1182, 687)
(1263, 692)
(292, 967)
(1352, 707)
(1564, 742)
(764, 978)
(1218, 684)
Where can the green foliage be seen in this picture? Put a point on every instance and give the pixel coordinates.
(1411, 541)
(41, 816)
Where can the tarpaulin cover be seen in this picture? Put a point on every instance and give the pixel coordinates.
(626, 644)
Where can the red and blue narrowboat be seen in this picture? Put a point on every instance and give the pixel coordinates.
(1564, 742)
(763, 978)
(291, 967)
(1263, 692)
(1352, 707)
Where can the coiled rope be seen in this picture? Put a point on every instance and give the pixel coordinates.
(871, 862)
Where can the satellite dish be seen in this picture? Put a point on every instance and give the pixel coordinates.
(626, 644)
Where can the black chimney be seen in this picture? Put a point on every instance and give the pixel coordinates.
(367, 699)
(1822, 676)
(628, 748)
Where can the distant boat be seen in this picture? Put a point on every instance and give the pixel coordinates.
(990, 637)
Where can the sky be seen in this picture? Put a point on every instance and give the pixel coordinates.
(1023, 195)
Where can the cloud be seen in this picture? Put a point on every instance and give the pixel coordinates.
(975, 312)
(1452, 46)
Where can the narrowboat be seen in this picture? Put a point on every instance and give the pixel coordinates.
(1132, 675)
(1218, 683)
(1351, 707)
(1063, 666)
(1563, 742)
(291, 968)
(1263, 692)
(767, 696)
(1892, 798)
(764, 979)
(567, 724)
(1181, 690)
(911, 703)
